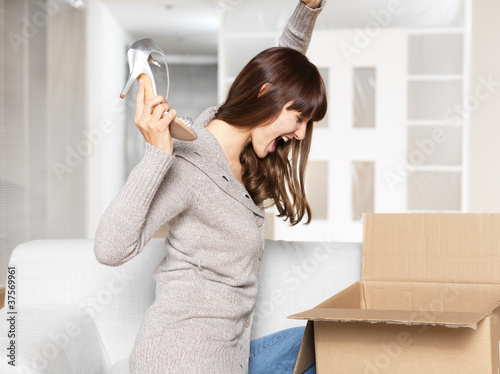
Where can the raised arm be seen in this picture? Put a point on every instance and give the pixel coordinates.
(155, 192)
(298, 31)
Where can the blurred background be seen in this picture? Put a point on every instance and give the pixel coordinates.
(412, 123)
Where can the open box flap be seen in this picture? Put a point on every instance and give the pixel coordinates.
(431, 247)
(307, 355)
(403, 317)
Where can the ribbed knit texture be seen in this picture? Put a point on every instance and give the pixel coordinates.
(297, 33)
(206, 285)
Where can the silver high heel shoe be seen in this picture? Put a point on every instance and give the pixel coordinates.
(139, 55)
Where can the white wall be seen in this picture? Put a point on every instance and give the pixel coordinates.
(106, 68)
(484, 149)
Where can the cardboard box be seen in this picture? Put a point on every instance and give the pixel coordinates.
(427, 301)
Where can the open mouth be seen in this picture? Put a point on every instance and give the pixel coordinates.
(275, 142)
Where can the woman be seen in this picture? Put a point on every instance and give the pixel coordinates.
(210, 192)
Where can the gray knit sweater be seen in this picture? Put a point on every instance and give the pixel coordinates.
(206, 285)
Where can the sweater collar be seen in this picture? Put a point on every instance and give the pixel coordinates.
(206, 153)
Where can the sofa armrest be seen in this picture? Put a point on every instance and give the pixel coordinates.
(56, 339)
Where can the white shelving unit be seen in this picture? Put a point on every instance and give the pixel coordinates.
(436, 85)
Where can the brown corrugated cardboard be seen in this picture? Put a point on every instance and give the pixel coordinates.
(427, 301)
(461, 248)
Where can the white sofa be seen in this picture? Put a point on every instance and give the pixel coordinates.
(75, 315)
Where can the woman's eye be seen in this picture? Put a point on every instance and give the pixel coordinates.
(299, 119)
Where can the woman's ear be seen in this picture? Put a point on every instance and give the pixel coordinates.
(265, 87)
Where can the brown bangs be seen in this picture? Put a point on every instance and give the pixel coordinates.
(310, 99)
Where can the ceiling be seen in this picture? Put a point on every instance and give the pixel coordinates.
(190, 27)
(179, 27)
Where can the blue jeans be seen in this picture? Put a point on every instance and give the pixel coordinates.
(277, 353)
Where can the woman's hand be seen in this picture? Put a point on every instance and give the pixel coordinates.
(313, 4)
(152, 120)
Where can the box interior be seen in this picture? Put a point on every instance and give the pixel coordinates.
(434, 297)
(436, 248)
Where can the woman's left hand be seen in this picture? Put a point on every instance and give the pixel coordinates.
(313, 4)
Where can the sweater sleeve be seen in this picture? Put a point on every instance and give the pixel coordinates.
(298, 31)
(155, 192)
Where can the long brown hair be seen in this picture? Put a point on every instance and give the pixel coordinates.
(292, 77)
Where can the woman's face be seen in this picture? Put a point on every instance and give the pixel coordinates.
(290, 124)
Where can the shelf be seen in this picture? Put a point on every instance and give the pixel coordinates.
(432, 211)
(435, 168)
(431, 30)
(437, 77)
(431, 123)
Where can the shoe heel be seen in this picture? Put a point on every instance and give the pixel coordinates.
(125, 90)
(138, 68)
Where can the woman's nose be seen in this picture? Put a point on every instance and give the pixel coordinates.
(300, 133)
